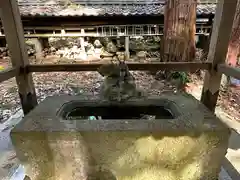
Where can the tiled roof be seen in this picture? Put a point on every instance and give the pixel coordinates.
(38, 2)
(100, 8)
(83, 2)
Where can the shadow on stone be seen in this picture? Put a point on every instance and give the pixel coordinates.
(234, 141)
(231, 170)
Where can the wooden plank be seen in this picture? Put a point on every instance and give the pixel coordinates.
(13, 29)
(222, 27)
(180, 66)
(229, 71)
(7, 74)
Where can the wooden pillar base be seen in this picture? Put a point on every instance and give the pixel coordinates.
(28, 102)
(209, 99)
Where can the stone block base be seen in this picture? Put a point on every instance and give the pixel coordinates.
(189, 147)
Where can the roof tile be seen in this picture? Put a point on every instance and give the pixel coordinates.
(48, 9)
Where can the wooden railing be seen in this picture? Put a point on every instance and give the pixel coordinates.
(215, 66)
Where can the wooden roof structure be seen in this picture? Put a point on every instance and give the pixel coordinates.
(85, 13)
(59, 8)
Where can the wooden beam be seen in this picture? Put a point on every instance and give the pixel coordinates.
(13, 29)
(8, 73)
(222, 27)
(229, 71)
(47, 35)
(180, 66)
(89, 21)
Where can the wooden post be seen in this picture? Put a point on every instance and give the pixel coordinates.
(118, 41)
(45, 42)
(82, 43)
(13, 29)
(38, 47)
(127, 54)
(218, 50)
(3, 42)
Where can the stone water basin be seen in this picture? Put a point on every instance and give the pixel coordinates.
(184, 141)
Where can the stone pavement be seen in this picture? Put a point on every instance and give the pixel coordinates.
(9, 165)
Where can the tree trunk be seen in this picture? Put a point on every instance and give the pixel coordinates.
(234, 43)
(179, 30)
(234, 46)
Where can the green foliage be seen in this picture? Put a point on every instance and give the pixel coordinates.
(182, 76)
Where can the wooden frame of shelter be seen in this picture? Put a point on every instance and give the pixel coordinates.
(215, 65)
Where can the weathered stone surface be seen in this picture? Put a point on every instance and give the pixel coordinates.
(142, 55)
(111, 48)
(189, 147)
(97, 44)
